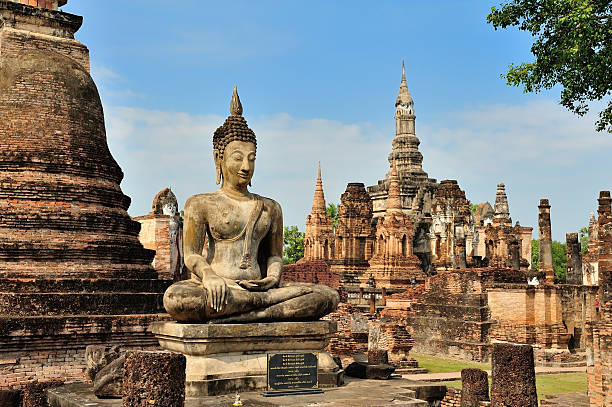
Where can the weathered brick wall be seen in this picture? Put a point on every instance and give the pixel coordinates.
(352, 335)
(448, 315)
(155, 235)
(72, 271)
(54, 348)
(547, 316)
(599, 372)
(306, 271)
(453, 399)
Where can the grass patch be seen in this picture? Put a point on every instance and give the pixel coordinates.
(435, 364)
(549, 383)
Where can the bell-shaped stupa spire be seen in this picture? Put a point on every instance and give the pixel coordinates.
(403, 95)
(318, 201)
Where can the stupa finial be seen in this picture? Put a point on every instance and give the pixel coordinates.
(235, 105)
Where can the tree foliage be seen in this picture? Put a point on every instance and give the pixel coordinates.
(583, 234)
(572, 48)
(293, 244)
(332, 211)
(559, 256)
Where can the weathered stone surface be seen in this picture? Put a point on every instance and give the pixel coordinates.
(356, 393)
(98, 356)
(364, 370)
(10, 398)
(378, 357)
(513, 374)
(154, 379)
(109, 381)
(475, 387)
(545, 241)
(574, 259)
(225, 358)
(237, 279)
(452, 227)
(34, 393)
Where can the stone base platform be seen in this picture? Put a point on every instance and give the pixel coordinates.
(356, 393)
(230, 358)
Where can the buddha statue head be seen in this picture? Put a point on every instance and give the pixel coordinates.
(234, 146)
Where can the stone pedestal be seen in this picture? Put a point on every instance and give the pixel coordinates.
(229, 358)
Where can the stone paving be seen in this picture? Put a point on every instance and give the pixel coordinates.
(355, 393)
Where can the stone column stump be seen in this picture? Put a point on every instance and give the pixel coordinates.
(154, 379)
(513, 382)
(475, 384)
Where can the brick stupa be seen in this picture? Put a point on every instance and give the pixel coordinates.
(394, 265)
(72, 271)
(319, 237)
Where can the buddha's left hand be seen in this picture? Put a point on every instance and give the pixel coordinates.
(258, 285)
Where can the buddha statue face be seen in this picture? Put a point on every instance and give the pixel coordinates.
(238, 163)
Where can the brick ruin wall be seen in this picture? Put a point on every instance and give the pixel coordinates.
(306, 271)
(599, 332)
(453, 399)
(54, 349)
(155, 235)
(448, 315)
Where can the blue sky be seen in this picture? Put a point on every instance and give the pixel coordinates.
(318, 81)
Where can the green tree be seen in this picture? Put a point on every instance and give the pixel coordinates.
(583, 234)
(559, 255)
(332, 211)
(293, 244)
(572, 48)
(535, 254)
(473, 208)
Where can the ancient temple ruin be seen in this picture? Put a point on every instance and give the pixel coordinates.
(416, 188)
(319, 237)
(394, 265)
(72, 271)
(445, 234)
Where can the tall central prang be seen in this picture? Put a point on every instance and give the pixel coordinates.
(416, 188)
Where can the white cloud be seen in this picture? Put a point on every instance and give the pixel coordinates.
(537, 149)
(159, 149)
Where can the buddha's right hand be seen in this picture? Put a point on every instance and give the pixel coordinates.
(217, 292)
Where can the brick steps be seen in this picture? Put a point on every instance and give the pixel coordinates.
(24, 304)
(82, 285)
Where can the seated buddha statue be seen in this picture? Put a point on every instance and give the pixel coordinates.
(233, 243)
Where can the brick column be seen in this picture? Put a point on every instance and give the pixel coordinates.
(604, 235)
(544, 231)
(513, 374)
(154, 379)
(475, 384)
(574, 259)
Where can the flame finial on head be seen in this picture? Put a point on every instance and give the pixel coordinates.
(235, 105)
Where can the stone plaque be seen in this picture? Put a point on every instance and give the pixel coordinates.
(293, 371)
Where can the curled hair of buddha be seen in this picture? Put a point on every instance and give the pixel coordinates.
(235, 128)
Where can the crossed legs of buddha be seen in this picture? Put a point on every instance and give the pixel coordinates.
(187, 301)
